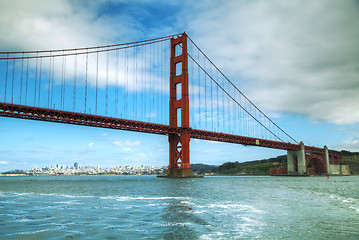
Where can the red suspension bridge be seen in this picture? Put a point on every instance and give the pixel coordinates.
(162, 86)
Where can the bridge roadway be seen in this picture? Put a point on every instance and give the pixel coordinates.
(52, 115)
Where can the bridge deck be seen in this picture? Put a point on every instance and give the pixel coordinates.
(52, 115)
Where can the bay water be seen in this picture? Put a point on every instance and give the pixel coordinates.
(146, 207)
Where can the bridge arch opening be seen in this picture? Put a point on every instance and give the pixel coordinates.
(316, 166)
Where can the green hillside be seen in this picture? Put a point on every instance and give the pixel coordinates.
(259, 167)
(351, 159)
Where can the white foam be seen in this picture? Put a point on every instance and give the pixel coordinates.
(33, 232)
(144, 198)
(239, 207)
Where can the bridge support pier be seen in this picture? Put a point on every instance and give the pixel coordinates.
(326, 156)
(179, 164)
(296, 161)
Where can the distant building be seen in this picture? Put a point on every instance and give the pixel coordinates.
(76, 165)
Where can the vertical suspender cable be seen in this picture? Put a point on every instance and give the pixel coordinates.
(137, 90)
(75, 82)
(107, 62)
(234, 111)
(126, 88)
(27, 78)
(117, 84)
(48, 84)
(192, 87)
(87, 57)
(205, 95)
(163, 90)
(64, 96)
(6, 73)
(22, 69)
(223, 104)
(157, 84)
(211, 97)
(166, 82)
(152, 82)
(52, 81)
(13, 80)
(96, 82)
(199, 93)
(62, 80)
(35, 81)
(134, 75)
(145, 82)
(142, 80)
(40, 79)
(217, 103)
(237, 109)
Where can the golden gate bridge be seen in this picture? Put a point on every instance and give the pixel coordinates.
(164, 86)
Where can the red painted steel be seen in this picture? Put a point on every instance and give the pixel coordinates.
(334, 156)
(51, 115)
(179, 143)
(230, 138)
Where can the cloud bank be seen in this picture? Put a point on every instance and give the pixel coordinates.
(288, 56)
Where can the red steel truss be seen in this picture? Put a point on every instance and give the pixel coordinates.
(224, 137)
(52, 115)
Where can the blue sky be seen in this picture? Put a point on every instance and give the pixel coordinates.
(295, 61)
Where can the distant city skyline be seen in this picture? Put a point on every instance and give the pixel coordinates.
(75, 169)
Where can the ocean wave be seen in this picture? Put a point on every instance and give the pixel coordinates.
(44, 194)
(347, 202)
(238, 207)
(127, 198)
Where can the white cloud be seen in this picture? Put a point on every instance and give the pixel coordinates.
(42, 24)
(4, 162)
(351, 144)
(91, 144)
(126, 143)
(128, 149)
(287, 56)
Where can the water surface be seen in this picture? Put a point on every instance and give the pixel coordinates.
(146, 207)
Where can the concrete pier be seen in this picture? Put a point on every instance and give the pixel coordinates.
(319, 162)
(296, 161)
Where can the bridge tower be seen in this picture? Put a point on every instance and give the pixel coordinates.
(179, 164)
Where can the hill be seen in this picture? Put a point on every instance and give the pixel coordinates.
(351, 159)
(204, 168)
(261, 167)
(258, 167)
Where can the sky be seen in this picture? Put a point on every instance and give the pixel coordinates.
(298, 61)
